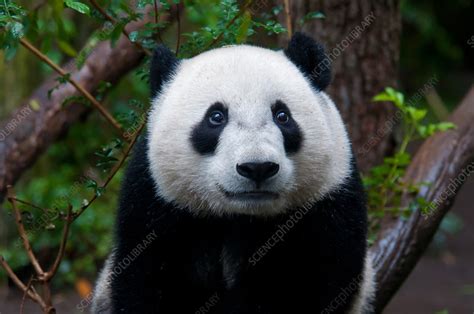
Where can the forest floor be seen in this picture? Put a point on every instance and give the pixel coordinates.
(442, 280)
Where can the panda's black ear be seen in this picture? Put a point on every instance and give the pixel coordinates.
(163, 66)
(310, 58)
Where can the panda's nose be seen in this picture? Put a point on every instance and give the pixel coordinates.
(258, 171)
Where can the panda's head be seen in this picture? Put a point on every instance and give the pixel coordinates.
(246, 130)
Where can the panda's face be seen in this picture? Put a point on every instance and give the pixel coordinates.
(241, 130)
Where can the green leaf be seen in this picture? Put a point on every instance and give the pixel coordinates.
(444, 126)
(416, 114)
(312, 16)
(16, 29)
(115, 34)
(427, 130)
(400, 159)
(422, 130)
(315, 15)
(10, 52)
(382, 97)
(92, 184)
(134, 36)
(67, 48)
(78, 6)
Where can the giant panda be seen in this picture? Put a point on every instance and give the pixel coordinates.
(243, 196)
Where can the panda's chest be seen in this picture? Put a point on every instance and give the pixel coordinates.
(223, 256)
(219, 266)
(217, 254)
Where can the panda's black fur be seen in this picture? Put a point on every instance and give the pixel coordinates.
(207, 264)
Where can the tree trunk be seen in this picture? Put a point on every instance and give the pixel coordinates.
(362, 40)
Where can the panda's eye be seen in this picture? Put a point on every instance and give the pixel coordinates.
(216, 118)
(282, 117)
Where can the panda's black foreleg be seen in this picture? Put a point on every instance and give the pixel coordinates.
(134, 288)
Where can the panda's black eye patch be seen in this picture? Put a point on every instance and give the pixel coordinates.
(205, 135)
(292, 134)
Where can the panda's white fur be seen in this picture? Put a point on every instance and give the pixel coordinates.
(248, 80)
(362, 303)
(101, 300)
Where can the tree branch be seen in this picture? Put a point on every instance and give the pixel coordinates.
(41, 120)
(23, 234)
(114, 171)
(23, 299)
(62, 246)
(25, 43)
(44, 210)
(31, 293)
(442, 161)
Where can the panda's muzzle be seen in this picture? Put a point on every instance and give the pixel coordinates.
(256, 195)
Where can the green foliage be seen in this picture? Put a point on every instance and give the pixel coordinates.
(314, 15)
(11, 17)
(63, 176)
(385, 185)
(78, 6)
(232, 25)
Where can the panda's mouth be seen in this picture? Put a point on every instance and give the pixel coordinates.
(255, 195)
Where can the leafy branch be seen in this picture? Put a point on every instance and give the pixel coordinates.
(118, 166)
(41, 276)
(385, 183)
(95, 103)
(121, 25)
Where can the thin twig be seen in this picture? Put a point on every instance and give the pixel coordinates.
(23, 299)
(30, 204)
(289, 25)
(81, 89)
(103, 12)
(23, 233)
(114, 171)
(112, 20)
(11, 274)
(178, 36)
(62, 246)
